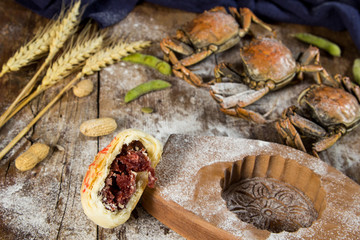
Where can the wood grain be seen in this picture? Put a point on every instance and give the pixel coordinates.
(45, 202)
(182, 221)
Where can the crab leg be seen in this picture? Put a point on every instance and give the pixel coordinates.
(290, 135)
(245, 114)
(287, 129)
(307, 126)
(189, 77)
(240, 95)
(227, 88)
(250, 115)
(348, 85)
(224, 70)
(243, 99)
(321, 73)
(185, 74)
(245, 17)
(234, 104)
(170, 46)
(313, 54)
(195, 58)
(247, 98)
(326, 142)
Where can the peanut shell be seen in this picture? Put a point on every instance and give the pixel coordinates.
(83, 88)
(35, 154)
(98, 127)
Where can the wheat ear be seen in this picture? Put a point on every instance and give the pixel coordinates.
(65, 28)
(97, 61)
(33, 50)
(66, 64)
(112, 54)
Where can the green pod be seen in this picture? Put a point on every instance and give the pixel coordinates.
(152, 85)
(150, 61)
(147, 109)
(320, 42)
(356, 70)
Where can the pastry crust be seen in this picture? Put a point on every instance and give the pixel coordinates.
(94, 179)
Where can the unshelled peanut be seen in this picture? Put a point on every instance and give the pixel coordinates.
(83, 88)
(98, 127)
(35, 154)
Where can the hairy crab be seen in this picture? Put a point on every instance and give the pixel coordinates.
(266, 65)
(210, 32)
(325, 113)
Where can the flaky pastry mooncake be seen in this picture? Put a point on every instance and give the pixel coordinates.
(118, 176)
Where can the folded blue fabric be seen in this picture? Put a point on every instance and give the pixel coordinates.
(336, 15)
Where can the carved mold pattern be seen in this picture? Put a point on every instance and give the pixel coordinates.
(270, 204)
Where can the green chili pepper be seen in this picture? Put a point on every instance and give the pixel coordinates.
(320, 42)
(151, 61)
(356, 71)
(144, 88)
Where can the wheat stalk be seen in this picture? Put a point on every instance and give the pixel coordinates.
(93, 64)
(86, 45)
(65, 27)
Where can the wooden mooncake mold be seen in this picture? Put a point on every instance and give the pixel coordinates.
(273, 193)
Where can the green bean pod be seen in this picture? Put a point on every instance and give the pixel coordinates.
(147, 109)
(320, 42)
(150, 61)
(152, 85)
(356, 70)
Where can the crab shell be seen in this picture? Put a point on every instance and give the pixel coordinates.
(268, 59)
(330, 106)
(211, 27)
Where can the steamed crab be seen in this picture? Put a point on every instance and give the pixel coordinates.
(325, 113)
(210, 32)
(266, 65)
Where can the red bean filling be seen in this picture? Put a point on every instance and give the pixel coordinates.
(120, 184)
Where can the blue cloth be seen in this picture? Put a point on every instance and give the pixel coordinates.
(336, 15)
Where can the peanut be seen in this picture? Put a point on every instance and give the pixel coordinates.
(83, 88)
(98, 127)
(35, 154)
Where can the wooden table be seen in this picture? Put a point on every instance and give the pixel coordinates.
(45, 202)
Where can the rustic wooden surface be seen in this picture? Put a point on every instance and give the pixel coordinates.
(45, 202)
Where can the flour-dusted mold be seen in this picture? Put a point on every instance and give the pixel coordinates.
(118, 176)
(273, 193)
(192, 167)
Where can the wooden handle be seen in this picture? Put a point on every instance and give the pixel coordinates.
(182, 221)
